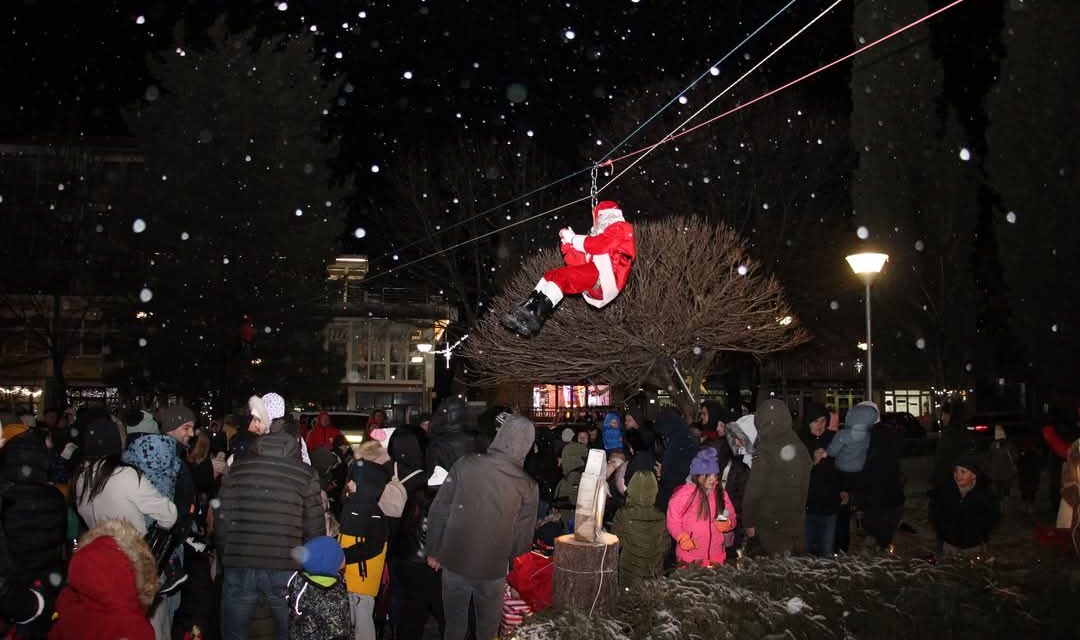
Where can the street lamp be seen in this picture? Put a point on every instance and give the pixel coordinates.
(867, 266)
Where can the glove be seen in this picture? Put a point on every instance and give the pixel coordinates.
(218, 463)
(723, 526)
(686, 543)
(69, 450)
(566, 235)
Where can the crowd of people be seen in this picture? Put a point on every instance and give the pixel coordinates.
(145, 526)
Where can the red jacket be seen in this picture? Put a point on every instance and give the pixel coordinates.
(101, 599)
(612, 251)
(322, 433)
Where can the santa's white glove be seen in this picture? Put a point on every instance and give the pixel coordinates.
(566, 234)
(69, 450)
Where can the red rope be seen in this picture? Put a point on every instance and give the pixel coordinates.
(790, 84)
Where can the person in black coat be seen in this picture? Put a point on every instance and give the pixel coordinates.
(964, 512)
(449, 439)
(34, 523)
(823, 497)
(881, 497)
(679, 450)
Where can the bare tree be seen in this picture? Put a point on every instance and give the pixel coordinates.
(694, 293)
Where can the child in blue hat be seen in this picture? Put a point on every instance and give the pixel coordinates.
(318, 602)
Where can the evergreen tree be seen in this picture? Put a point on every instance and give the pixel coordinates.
(240, 219)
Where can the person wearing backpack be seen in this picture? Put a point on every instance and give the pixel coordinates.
(364, 533)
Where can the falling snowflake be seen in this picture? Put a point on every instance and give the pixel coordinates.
(569, 34)
(683, 100)
(1010, 217)
(969, 367)
(787, 452)
(146, 295)
(965, 155)
(920, 344)
(794, 605)
(184, 235)
(863, 233)
(142, 342)
(742, 270)
(407, 75)
(374, 168)
(1054, 328)
(283, 6)
(359, 232)
(697, 351)
(140, 20)
(834, 305)
(152, 93)
(139, 225)
(299, 212)
(714, 71)
(267, 330)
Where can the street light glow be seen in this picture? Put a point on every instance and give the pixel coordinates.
(867, 263)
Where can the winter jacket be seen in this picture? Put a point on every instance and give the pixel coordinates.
(964, 521)
(823, 495)
(34, 512)
(612, 432)
(405, 450)
(848, 448)
(318, 608)
(1002, 466)
(734, 474)
(364, 530)
(18, 600)
(322, 433)
(679, 450)
(572, 460)
(112, 579)
(881, 485)
(449, 440)
(642, 532)
(127, 496)
(683, 520)
(269, 504)
(485, 513)
(775, 500)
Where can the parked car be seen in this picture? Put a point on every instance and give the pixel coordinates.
(916, 442)
(351, 423)
(981, 427)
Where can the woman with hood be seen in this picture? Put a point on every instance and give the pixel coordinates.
(572, 462)
(775, 500)
(679, 450)
(112, 579)
(734, 453)
(700, 514)
(642, 531)
(363, 537)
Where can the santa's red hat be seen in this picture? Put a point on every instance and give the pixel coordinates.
(607, 206)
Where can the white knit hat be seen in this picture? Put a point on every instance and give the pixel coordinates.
(258, 410)
(275, 405)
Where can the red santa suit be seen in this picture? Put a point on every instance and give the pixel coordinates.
(597, 265)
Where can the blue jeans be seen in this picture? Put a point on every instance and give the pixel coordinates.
(820, 534)
(240, 591)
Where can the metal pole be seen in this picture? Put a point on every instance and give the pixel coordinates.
(869, 349)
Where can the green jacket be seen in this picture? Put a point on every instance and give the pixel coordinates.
(642, 532)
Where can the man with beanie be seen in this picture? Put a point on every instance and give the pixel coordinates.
(483, 517)
(774, 505)
(317, 597)
(823, 496)
(964, 512)
(269, 505)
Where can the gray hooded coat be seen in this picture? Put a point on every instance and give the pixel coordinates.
(484, 515)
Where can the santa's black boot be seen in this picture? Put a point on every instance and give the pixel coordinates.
(527, 318)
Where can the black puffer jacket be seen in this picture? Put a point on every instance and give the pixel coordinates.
(823, 497)
(34, 512)
(269, 505)
(449, 439)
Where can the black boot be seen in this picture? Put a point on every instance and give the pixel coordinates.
(527, 318)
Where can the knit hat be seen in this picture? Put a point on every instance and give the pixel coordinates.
(258, 410)
(174, 417)
(814, 411)
(139, 421)
(275, 406)
(705, 463)
(567, 434)
(862, 414)
(323, 556)
(967, 460)
(101, 438)
(14, 429)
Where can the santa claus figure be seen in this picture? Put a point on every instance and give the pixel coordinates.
(597, 265)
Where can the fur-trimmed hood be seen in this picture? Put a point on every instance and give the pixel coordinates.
(112, 584)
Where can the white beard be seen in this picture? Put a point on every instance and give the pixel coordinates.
(604, 220)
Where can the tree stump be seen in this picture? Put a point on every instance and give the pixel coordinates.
(586, 574)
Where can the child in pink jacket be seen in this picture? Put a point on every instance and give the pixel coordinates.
(696, 516)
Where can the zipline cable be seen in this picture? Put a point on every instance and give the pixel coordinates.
(611, 151)
(645, 150)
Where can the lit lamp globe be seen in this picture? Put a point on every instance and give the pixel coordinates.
(424, 347)
(867, 265)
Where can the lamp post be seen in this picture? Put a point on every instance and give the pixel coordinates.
(867, 266)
